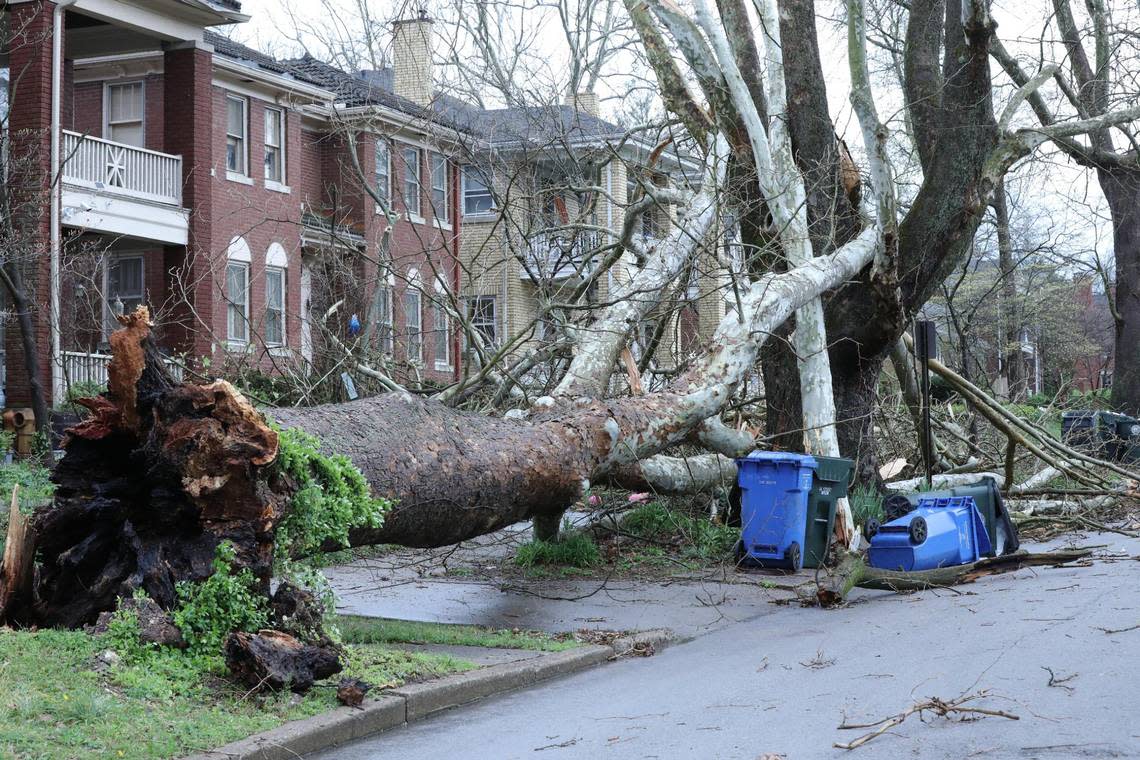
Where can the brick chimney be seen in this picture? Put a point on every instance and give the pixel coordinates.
(411, 59)
(584, 102)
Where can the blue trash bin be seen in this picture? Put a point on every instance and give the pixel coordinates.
(939, 532)
(773, 507)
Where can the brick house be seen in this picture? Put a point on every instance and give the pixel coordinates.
(273, 212)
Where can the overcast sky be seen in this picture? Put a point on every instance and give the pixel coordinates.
(1063, 197)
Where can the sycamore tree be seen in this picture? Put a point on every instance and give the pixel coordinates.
(851, 273)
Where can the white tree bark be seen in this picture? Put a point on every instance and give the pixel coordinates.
(783, 189)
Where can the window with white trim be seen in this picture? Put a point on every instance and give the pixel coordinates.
(384, 170)
(274, 306)
(124, 289)
(440, 188)
(413, 184)
(477, 197)
(237, 291)
(441, 324)
(414, 320)
(481, 313)
(237, 148)
(275, 145)
(382, 311)
(125, 113)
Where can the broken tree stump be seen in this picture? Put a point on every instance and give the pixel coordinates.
(16, 567)
(274, 660)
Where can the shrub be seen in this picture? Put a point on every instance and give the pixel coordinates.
(865, 503)
(332, 497)
(226, 601)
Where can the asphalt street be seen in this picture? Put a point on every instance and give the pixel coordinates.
(783, 680)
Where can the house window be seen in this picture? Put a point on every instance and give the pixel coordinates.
(275, 145)
(237, 310)
(476, 192)
(382, 309)
(236, 148)
(125, 113)
(274, 306)
(412, 183)
(481, 315)
(384, 171)
(440, 188)
(414, 322)
(441, 326)
(124, 289)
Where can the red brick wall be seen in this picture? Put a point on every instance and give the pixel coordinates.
(30, 25)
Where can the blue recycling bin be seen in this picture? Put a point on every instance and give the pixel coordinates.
(773, 507)
(939, 532)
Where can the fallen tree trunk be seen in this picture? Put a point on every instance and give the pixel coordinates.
(832, 588)
(19, 552)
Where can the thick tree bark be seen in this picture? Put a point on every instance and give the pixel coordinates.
(1122, 189)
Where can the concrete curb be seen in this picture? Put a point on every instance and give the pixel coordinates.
(410, 703)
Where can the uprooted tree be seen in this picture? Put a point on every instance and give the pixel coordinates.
(162, 473)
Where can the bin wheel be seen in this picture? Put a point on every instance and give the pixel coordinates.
(870, 528)
(792, 555)
(917, 530)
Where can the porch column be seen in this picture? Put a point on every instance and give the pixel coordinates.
(29, 110)
(188, 105)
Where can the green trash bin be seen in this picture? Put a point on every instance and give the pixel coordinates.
(1128, 431)
(987, 497)
(832, 477)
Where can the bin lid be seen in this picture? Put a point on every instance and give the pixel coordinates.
(779, 457)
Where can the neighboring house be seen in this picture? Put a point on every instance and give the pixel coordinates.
(256, 204)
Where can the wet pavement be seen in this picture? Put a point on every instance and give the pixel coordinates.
(764, 678)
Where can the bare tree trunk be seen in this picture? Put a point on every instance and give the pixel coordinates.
(1010, 329)
(14, 284)
(1122, 189)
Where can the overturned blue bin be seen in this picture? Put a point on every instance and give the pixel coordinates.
(939, 532)
(773, 507)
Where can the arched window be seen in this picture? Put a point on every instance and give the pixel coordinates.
(441, 326)
(276, 267)
(238, 259)
(414, 318)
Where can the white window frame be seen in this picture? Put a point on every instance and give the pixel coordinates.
(384, 186)
(277, 264)
(494, 322)
(414, 318)
(280, 182)
(386, 322)
(441, 328)
(441, 206)
(414, 213)
(242, 172)
(107, 124)
(110, 324)
(485, 181)
(237, 256)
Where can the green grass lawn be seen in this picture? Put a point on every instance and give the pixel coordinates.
(384, 631)
(59, 702)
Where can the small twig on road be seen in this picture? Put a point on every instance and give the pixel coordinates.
(1111, 631)
(567, 743)
(1061, 682)
(819, 662)
(935, 705)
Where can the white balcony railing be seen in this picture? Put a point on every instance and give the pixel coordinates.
(557, 256)
(112, 167)
(80, 367)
